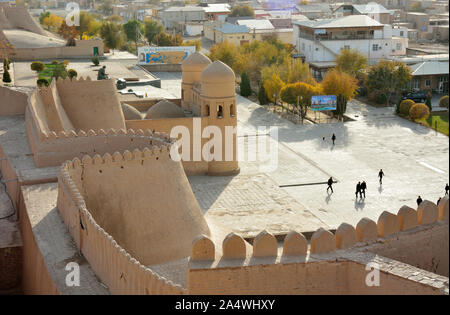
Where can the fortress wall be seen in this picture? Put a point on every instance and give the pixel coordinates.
(53, 149)
(132, 199)
(331, 263)
(191, 167)
(4, 22)
(38, 113)
(114, 265)
(324, 277)
(56, 116)
(13, 101)
(35, 276)
(425, 247)
(19, 17)
(91, 108)
(9, 175)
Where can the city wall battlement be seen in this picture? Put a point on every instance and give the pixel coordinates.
(264, 269)
(56, 121)
(115, 266)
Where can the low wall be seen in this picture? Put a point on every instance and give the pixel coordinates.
(13, 101)
(162, 68)
(32, 54)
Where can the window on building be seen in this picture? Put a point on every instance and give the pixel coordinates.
(428, 83)
(303, 46)
(347, 47)
(401, 33)
(219, 111)
(232, 110)
(399, 46)
(207, 110)
(374, 47)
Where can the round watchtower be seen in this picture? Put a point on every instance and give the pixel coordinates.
(191, 68)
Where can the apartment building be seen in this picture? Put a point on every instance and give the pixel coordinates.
(322, 40)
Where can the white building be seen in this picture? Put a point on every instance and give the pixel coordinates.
(321, 41)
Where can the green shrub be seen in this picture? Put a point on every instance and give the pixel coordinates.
(6, 76)
(37, 66)
(245, 88)
(380, 98)
(405, 106)
(362, 91)
(42, 82)
(72, 73)
(419, 111)
(428, 101)
(443, 101)
(95, 61)
(55, 62)
(262, 96)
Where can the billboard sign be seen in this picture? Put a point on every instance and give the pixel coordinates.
(163, 55)
(323, 102)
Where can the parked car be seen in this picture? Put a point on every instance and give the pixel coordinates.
(418, 97)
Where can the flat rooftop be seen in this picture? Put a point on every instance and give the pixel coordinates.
(24, 39)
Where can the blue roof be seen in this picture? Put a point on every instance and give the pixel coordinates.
(229, 28)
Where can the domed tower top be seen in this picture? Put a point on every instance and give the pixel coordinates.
(218, 80)
(164, 109)
(195, 62)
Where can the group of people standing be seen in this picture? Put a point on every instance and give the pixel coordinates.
(362, 186)
(361, 189)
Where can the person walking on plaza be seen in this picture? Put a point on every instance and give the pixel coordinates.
(447, 189)
(363, 188)
(333, 137)
(439, 200)
(330, 184)
(419, 201)
(358, 190)
(380, 175)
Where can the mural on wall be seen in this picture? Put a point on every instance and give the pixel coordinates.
(164, 55)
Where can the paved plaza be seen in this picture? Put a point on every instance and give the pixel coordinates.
(414, 158)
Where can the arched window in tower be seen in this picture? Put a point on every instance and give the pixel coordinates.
(207, 110)
(219, 111)
(232, 110)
